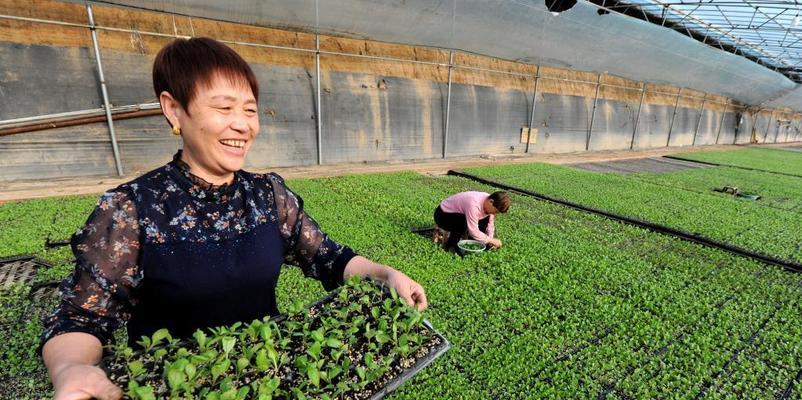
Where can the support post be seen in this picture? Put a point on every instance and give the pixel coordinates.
(738, 125)
(753, 134)
(673, 116)
(796, 132)
(448, 102)
(115, 149)
(532, 114)
(699, 120)
(721, 122)
(593, 113)
(768, 126)
(637, 117)
(777, 132)
(787, 132)
(318, 118)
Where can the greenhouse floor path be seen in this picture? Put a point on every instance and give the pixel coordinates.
(21, 190)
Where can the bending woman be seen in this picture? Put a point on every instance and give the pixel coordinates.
(198, 242)
(472, 213)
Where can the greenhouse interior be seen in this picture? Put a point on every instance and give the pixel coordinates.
(401, 199)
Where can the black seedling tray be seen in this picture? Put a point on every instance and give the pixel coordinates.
(420, 364)
(19, 269)
(408, 373)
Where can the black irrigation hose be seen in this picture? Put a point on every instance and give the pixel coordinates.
(732, 166)
(691, 237)
(21, 257)
(56, 243)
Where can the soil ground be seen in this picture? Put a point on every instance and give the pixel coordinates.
(22, 190)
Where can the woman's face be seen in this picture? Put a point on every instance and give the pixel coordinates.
(219, 128)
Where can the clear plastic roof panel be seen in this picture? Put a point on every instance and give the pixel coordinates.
(767, 32)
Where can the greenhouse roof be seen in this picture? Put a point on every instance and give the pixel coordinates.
(766, 32)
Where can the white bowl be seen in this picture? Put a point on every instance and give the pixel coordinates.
(461, 244)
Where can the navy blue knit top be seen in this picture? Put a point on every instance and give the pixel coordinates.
(169, 250)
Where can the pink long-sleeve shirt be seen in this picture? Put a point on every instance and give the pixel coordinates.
(470, 204)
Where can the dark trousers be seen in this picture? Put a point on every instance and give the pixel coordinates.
(456, 224)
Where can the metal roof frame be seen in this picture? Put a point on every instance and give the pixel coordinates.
(768, 32)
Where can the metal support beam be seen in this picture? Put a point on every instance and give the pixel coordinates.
(738, 125)
(768, 126)
(787, 132)
(104, 91)
(777, 132)
(637, 117)
(448, 102)
(699, 120)
(721, 122)
(593, 113)
(753, 133)
(318, 113)
(796, 131)
(798, 135)
(673, 116)
(532, 114)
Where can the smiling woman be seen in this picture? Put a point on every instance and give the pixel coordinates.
(198, 242)
(216, 113)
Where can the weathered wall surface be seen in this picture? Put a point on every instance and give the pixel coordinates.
(379, 101)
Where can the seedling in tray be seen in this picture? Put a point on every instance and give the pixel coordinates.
(360, 342)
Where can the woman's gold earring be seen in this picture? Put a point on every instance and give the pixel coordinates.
(176, 130)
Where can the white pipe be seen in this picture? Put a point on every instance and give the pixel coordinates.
(105, 92)
(698, 122)
(318, 118)
(448, 103)
(637, 117)
(532, 115)
(593, 114)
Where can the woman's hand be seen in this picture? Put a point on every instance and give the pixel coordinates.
(80, 382)
(70, 359)
(409, 290)
(494, 243)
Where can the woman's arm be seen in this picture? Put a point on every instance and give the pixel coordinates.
(408, 289)
(322, 258)
(96, 300)
(71, 360)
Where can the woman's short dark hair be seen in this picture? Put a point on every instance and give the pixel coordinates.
(501, 201)
(184, 63)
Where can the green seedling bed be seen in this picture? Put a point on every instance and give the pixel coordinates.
(359, 342)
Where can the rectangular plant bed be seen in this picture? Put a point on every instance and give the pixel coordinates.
(359, 342)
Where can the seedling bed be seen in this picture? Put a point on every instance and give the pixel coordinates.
(733, 166)
(639, 165)
(428, 233)
(359, 342)
(790, 388)
(666, 230)
(735, 354)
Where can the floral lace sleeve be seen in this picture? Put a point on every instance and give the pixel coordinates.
(97, 296)
(307, 245)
